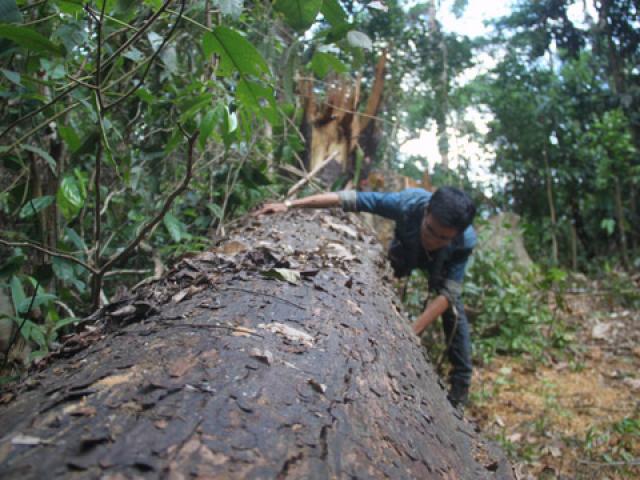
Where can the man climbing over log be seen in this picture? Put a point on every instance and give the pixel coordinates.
(433, 233)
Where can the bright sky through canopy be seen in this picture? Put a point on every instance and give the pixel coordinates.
(472, 24)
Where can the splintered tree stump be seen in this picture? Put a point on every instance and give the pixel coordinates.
(281, 354)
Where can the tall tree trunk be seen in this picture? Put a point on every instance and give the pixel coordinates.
(552, 208)
(220, 372)
(574, 248)
(442, 88)
(334, 126)
(620, 221)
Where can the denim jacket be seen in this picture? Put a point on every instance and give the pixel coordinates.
(445, 266)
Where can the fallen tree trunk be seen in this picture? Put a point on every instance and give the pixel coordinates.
(235, 366)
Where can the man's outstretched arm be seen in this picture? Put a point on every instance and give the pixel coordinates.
(434, 309)
(320, 200)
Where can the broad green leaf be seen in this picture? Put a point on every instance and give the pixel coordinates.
(66, 321)
(336, 33)
(359, 39)
(154, 39)
(133, 54)
(35, 302)
(232, 8)
(70, 197)
(299, 14)
(333, 12)
(206, 127)
(174, 227)
(34, 205)
(70, 137)
(9, 12)
(145, 95)
(201, 103)
(76, 239)
(230, 120)
(125, 5)
(216, 210)
(45, 155)
(33, 331)
(13, 77)
(323, 63)
(63, 269)
(30, 39)
(12, 265)
(17, 293)
(71, 7)
(608, 224)
(236, 52)
(169, 57)
(258, 99)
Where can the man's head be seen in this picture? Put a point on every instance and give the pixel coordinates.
(450, 212)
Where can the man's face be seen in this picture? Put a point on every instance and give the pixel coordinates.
(434, 235)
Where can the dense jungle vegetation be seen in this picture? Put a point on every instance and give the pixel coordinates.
(133, 133)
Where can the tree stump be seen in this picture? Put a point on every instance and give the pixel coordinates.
(281, 354)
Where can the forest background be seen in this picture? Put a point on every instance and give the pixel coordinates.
(133, 133)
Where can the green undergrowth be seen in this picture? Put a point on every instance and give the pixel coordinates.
(507, 306)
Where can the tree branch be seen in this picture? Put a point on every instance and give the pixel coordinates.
(151, 60)
(48, 251)
(165, 208)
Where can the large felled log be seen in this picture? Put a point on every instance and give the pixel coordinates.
(231, 368)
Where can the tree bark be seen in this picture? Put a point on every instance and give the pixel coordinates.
(219, 371)
(552, 207)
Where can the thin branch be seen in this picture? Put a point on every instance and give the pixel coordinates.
(108, 199)
(151, 60)
(81, 82)
(53, 253)
(39, 126)
(71, 88)
(14, 182)
(66, 308)
(25, 8)
(37, 111)
(138, 34)
(39, 20)
(311, 174)
(99, 59)
(19, 330)
(165, 208)
(96, 221)
(231, 185)
(114, 273)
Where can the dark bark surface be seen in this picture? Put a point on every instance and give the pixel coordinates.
(219, 371)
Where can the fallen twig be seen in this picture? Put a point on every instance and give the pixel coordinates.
(311, 174)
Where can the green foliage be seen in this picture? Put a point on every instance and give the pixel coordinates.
(43, 331)
(95, 136)
(614, 445)
(513, 316)
(299, 14)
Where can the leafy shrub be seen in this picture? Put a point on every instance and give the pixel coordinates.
(511, 315)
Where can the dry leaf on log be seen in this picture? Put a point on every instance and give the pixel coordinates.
(289, 332)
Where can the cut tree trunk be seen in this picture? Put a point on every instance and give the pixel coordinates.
(223, 369)
(335, 127)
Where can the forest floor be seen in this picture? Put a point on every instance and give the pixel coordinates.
(576, 414)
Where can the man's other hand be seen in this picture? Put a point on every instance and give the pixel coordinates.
(269, 208)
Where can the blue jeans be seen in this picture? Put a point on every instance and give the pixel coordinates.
(458, 338)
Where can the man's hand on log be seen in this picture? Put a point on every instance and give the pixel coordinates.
(269, 208)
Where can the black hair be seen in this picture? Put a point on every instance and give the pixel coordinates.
(452, 207)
